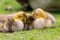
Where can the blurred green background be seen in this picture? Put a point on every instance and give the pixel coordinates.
(12, 4)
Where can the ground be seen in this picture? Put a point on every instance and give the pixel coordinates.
(46, 34)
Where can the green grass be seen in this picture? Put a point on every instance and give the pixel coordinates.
(46, 34)
(4, 3)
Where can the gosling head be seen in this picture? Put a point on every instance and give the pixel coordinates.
(20, 16)
(39, 13)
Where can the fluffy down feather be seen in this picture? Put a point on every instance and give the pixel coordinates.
(42, 19)
(12, 23)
